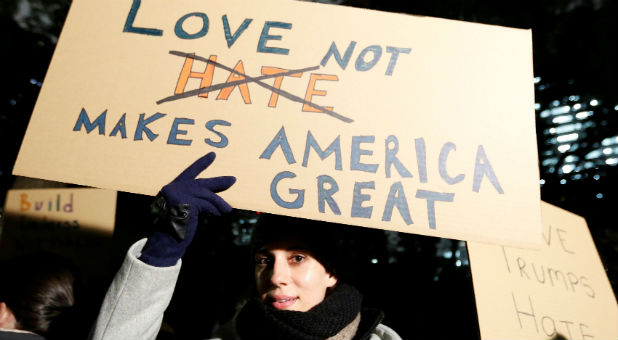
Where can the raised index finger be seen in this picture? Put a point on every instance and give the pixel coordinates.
(197, 167)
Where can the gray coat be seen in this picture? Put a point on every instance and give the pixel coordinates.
(138, 296)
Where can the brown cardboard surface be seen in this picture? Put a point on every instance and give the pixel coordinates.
(534, 294)
(74, 222)
(430, 121)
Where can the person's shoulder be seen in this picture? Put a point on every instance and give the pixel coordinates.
(18, 335)
(383, 332)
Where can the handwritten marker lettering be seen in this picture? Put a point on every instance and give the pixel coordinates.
(269, 33)
(287, 195)
(56, 204)
(238, 78)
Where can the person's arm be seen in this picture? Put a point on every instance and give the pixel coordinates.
(142, 289)
(136, 300)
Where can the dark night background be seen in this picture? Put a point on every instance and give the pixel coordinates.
(575, 65)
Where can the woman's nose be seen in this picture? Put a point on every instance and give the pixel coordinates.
(280, 273)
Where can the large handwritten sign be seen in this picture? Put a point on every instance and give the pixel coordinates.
(561, 288)
(77, 223)
(407, 123)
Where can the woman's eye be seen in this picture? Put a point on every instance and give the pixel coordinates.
(263, 260)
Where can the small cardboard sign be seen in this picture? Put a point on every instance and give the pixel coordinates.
(392, 121)
(560, 289)
(77, 223)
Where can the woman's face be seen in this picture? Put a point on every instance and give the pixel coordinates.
(288, 277)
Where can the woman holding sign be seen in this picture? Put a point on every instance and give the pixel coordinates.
(298, 292)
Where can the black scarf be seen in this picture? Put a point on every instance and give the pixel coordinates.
(259, 321)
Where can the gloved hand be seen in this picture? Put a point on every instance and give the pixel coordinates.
(176, 209)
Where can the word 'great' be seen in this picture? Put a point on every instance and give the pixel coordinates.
(327, 186)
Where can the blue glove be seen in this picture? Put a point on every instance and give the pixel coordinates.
(176, 209)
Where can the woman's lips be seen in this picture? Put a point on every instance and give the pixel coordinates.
(283, 302)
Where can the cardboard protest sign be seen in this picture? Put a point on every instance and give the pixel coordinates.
(406, 123)
(77, 223)
(561, 288)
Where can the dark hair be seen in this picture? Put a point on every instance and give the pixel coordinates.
(39, 289)
(323, 239)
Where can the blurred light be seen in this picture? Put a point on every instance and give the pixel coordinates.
(374, 261)
(537, 80)
(33, 81)
(562, 119)
(542, 181)
(611, 161)
(550, 161)
(448, 254)
(609, 141)
(594, 102)
(596, 177)
(573, 98)
(567, 138)
(593, 154)
(563, 181)
(576, 176)
(599, 195)
(560, 110)
(607, 151)
(566, 128)
(12, 102)
(616, 108)
(555, 103)
(571, 158)
(567, 168)
(537, 106)
(552, 130)
(457, 253)
(588, 125)
(458, 263)
(564, 148)
(577, 106)
(584, 114)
